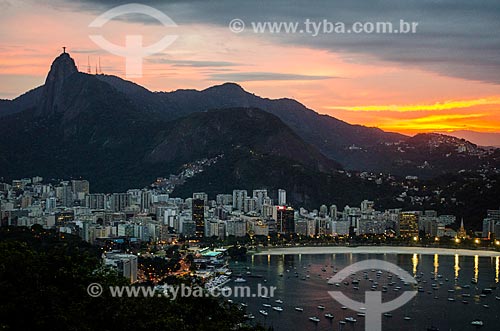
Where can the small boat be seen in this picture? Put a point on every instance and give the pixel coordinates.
(277, 308)
(487, 291)
(433, 328)
(243, 304)
(343, 307)
(266, 305)
(477, 323)
(498, 298)
(361, 314)
(387, 314)
(329, 316)
(249, 316)
(321, 307)
(263, 312)
(299, 309)
(486, 306)
(240, 280)
(342, 322)
(407, 318)
(314, 319)
(279, 301)
(451, 299)
(350, 319)
(465, 302)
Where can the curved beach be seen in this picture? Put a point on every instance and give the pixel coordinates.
(376, 250)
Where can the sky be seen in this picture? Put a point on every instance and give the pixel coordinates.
(443, 77)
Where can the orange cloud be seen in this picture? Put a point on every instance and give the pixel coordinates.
(446, 105)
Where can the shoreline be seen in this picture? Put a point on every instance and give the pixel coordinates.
(376, 250)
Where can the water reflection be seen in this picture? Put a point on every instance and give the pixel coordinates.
(436, 265)
(476, 267)
(457, 266)
(414, 261)
(497, 268)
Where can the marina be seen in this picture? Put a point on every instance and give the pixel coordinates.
(453, 292)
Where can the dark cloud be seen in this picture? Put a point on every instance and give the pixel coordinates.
(454, 37)
(262, 76)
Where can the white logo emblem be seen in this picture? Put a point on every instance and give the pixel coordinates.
(133, 52)
(373, 299)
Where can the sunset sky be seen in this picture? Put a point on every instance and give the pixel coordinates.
(444, 77)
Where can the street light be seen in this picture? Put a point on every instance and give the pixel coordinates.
(477, 241)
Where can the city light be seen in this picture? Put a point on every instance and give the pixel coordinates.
(477, 241)
(457, 240)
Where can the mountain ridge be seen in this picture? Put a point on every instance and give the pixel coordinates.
(355, 147)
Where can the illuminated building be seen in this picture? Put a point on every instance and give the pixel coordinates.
(198, 216)
(408, 225)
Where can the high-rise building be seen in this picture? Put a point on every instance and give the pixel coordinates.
(488, 227)
(224, 199)
(250, 205)
(50, 204)
(281, 197)
(120, 201)
(237, 228)
(95, 201)
(146, 199)
(198, 216)
(259, 196)
(239, 197)
(188, 228)
(285, 219)
(66, 195)
(493, 214)
(323, 211)
(408, 225)
(125, 265)
(333, 212)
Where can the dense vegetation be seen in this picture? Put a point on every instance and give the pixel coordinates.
(44, 277)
